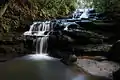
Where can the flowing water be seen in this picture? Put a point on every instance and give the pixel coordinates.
(40, 26)
(42, 42)
(40, 66)
(39, 29)
(41, 45)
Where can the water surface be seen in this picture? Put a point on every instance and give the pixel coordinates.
(40, 67)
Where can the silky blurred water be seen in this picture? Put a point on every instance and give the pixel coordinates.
(41, 67)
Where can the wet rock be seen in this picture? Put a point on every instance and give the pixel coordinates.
(28, 44)
(116, 75)
(91, 49)
(72, 58)
(57, 41)
(58, 46)
(96, 47)
(69, 60)
(12, 45)
(97, 68)
(85, 37)
(78, 52)
(114, 52)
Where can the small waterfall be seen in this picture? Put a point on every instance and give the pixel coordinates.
(40, 26)
(41, 45)
(42, 42)
(38, 29)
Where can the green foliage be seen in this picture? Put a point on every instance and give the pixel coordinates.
(54, 8)
(103, 5)
(20, 14)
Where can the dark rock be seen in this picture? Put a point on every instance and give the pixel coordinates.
(114, 52)
(85, 37)
(3, 1)
(12, 45)
(57, 41)
(69, 60)
(72, 58)
(116, 75)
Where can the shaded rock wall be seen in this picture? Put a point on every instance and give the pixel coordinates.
(16, 16)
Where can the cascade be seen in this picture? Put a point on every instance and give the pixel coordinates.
(41, 45)
(38, 29)
(42, 42)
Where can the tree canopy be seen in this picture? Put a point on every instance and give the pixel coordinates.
(110, 7)
(101, 5)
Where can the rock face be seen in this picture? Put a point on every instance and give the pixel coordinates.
(58, 45)
(57, 40)
(70, 60)
(85, 37)
(12, 47)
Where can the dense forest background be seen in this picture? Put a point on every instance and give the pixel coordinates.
(19, 13)
(110, 7)
(15, 15)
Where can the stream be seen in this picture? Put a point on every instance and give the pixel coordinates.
(41, 67)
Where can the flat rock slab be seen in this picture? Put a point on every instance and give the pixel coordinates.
(94, 47)
(40, 67)
(97, 68)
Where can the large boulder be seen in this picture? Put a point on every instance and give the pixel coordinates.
(59, 46)
(69, 60)
(57, 41)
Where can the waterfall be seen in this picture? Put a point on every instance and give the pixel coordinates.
(41, 45)
(40, 26)
(38, 29)
(42, 42)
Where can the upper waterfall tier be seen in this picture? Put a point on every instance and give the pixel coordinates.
(39, 28)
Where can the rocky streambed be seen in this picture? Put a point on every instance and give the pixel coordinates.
(98, 68)
(63, 44)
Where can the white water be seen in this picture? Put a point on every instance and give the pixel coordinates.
(81, 13)
(41, 45)
(38, 29)
(40, 57)
(42, 42)
(40, 26)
